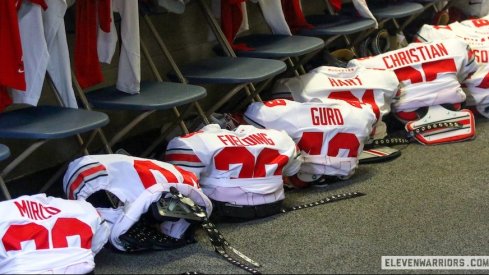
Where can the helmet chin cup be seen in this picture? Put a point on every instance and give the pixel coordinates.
(440, 125)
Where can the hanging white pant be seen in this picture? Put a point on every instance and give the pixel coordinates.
(274, 15)
(59, 65)
(45, 48)
(35, 53)
(364, 11)
(129, 70)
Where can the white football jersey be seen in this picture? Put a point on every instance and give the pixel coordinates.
(242, 167)
(330, 133)
(480, 23)
(41, 234)
(477, 84)
(355, 84)
(137, 183)
(476, 38)
(429, 73)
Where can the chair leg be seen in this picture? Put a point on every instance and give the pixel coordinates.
(52, 180)
(170, 60)
(165, 131)
(4, 188)
(124, 131)
(20, 158)
(249, 98)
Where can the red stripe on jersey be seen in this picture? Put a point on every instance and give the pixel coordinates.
(182, 157)
(81, 177)
(375, 152)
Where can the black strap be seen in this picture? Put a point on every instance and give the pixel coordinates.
(388, 141)
(232, 212)
(330, 199)
(220, 244)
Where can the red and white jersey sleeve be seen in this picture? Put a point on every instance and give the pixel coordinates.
(330, 133)
(41, 234)
(243, 166)
(136, 182)
(429, 73)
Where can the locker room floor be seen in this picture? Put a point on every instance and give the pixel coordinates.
(432, 200)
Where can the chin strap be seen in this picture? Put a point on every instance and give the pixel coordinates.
(221, 245)
(330, 199)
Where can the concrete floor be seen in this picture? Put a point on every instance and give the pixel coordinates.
(431, 201)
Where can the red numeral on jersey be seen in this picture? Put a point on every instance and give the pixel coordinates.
(275, 102)
(144, 169)
(63, 228)
(250, 167)
(312, 144)
(429, 69)
(367, 98)
(480, 22)
(484, 83)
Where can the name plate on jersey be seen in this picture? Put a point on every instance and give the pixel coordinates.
(441, 125)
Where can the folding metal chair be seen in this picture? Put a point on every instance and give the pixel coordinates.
(333, 26)
(154, 96)
(395, 16)
(434, 8)
(241, 72)
(295, 50)
(4, 154)
(43, 123)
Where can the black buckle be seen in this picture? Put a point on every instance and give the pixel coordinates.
(176, 206)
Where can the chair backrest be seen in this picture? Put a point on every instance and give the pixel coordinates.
(242, 73)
